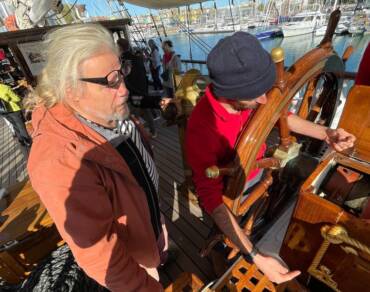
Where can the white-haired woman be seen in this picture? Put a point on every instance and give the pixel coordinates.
(90, 165)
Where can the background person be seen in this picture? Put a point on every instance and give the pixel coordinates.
(11, 110)
(155, 65)
(171, 64)
(137, 84)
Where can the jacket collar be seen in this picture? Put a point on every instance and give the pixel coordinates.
(61, 122)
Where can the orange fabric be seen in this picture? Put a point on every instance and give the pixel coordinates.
(11, 23)
(94, 200)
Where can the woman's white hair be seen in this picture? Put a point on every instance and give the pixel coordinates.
(65, 49)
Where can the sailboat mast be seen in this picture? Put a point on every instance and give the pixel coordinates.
(215, 7)
(187, 11)
(155, 25)
(231, 14)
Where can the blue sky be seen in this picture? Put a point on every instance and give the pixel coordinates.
(101, 7)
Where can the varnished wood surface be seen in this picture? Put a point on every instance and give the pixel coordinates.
(348, 266)
(243, 276)
(24, 215)
(356, 120)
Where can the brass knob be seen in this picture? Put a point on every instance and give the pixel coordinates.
(333, 233)
(277, 55)
(337, 230)
(213, 172)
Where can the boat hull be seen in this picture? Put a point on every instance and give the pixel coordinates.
(289, 31)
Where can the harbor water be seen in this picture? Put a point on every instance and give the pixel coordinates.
(294, 47)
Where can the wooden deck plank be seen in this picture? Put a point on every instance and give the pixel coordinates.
(189, 258)
(191, 231)
(183, 205)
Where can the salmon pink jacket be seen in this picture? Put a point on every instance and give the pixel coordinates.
(94, 200)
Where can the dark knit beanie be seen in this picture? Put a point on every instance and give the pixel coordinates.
(240, 68)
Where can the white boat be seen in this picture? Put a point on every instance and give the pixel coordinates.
(356, 29)
(359, 20)
(321, 31)
(303, 23)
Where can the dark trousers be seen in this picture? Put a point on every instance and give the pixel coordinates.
(17, 120)
(168, 91)
(157, 84)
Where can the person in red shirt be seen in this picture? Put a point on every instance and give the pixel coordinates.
(241, 72)
(171, 64)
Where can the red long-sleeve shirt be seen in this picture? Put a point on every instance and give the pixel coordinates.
(210, 139)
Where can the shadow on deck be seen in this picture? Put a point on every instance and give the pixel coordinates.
(187, 224)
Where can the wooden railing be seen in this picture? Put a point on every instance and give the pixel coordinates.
(195, 64)
(201, 65)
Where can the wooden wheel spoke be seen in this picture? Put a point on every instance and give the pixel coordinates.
(307, 98)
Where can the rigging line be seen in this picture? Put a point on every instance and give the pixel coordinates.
(155, 25)
(160, 18)
(187, 21)
(231, 14)
(138, 30)
(56, 13)
(196, 41)
(194, 36)
(205, 49)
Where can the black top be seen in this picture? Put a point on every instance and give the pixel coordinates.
(136, 81)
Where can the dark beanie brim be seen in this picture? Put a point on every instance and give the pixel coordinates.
(234, 74)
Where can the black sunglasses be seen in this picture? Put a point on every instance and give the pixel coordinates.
(114, 78)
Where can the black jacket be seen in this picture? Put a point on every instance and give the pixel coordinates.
(136, 81)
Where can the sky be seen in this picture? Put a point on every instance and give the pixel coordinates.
(101, 7)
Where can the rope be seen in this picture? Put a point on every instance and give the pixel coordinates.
(189, 38)
(59, 272)
(337, 234)
(231, 14)
(68, 12)
(164, 29)
(136, 27)
(319, 255)
(199, 42)
(355, 243)
(155, 25)
(194, 36)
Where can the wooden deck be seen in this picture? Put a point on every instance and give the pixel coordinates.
(12, 163)
(187, 224)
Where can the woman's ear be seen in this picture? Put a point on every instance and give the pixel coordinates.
(73, 95)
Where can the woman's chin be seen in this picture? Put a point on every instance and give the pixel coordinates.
(122, 113)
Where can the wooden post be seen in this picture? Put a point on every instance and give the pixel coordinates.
(277, 55)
